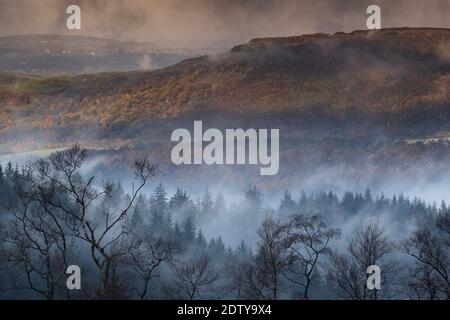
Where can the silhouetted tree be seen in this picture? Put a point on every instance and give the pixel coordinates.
(146, 254)
(272, 256)
(347, 272)
(193, 278)
(310, 239)
(62, 171)
(430, 276)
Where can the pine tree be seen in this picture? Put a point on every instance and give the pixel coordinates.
(2, 177)
(207, 204)
(243, 252)
(3, 187)
(220, 245)
(9, 170)
(220, 204)
(158, 200)
(443, 207)
(200, 239)
(159, 208)
(253, 199)
(178, 200)
(349, 202)
(189, 230)
(303, 202)
(136, 221)
(287, 205)
(216, 247)
(177, 234)
(368, 196)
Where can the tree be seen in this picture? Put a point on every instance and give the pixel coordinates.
(368, 196)
(33, 245)
(216, 248)
(181, 206)
(287, 205)
(2, 177)
(310, 238)
(235, 269)
(201, 240)
(62, 172)
(207, 204)
(9, 170)
(423, 283)
(273, 255)
(194, 277)
(189, 230)
(136, 221)
(253, 199)
(34, 234)
(159, 210)
(219, 204)
(443, 225)
(145, 256)
(178, 200)
(430, 276)
(347, 272)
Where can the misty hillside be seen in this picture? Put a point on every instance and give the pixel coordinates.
(392, 71)
(57, 54)
(332, 96)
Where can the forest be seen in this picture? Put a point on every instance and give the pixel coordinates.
(132, 243)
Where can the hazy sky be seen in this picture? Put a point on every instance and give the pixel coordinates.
(213, 23)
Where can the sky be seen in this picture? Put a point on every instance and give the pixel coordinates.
(213, 23)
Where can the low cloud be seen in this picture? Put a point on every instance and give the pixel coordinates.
(213, 23)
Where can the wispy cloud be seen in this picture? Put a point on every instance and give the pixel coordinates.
(214, 23)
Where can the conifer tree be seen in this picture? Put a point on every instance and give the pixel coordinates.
(287, 205)
(207, 204)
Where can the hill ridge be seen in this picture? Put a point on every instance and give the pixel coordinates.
(390, 76)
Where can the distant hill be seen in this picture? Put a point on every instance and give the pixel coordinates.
(58, 54)
(393, 80)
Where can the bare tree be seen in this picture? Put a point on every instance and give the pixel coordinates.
(423, 283)
(430, 276)
(255, 283)
(273, 255)
(239, 275)
(310, 238)
(146, 255)
(81, 199)
(193, 277)
(443, 225)
(368, 246)
(32, 241)
(244, 279)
